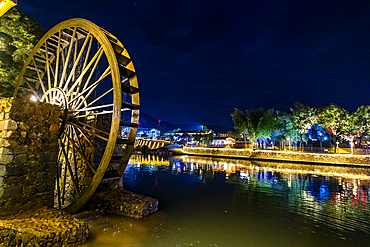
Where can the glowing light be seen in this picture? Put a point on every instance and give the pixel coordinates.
(5, 5)
(33, 98)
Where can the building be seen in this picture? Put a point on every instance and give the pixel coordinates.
(148, 133)
(222, 141)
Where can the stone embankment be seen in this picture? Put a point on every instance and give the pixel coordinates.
(345, 159)
(42, 227)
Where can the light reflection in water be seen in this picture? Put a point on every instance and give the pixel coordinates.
(227, 202)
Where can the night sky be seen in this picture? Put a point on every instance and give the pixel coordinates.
(197, 60)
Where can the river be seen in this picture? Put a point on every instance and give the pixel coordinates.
(229, 202)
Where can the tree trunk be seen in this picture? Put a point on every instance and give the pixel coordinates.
(302, 147)
(245, 140)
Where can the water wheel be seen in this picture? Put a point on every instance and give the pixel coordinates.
(89, 74)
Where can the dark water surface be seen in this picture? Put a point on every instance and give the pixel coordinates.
(226, 202)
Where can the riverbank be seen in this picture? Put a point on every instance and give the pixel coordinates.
(272, 155)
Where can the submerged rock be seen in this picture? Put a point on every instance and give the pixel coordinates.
(123, 202)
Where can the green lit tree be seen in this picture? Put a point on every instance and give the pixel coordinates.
(336, 119)
(361, 120)
(303, 117)
(18, 35)
(240, 123)
(283, 129)
(266, 126)
(253, 121)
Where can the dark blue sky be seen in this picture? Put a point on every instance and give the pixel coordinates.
(197, 60)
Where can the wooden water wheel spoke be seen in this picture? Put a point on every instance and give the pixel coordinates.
(74, 159)
(65, 172)
(91, 127)
(96, 149)
(88, 90)
(85, 70)
(39, 77)
(57, 60)
(95, 60)
(65, 66)
(68, 166)
(87, 162)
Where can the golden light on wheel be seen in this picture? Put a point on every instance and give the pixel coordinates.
(5, 5)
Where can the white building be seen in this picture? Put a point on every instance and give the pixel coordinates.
(148, 133)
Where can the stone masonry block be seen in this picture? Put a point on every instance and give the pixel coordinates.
(8, 143)
(6, 158)
(14, 170)
(20, 159)
(48, 156)
(41, 188)
(10, 134)
(23, 126)
(11, 191)
(6, 151)
(8, 125)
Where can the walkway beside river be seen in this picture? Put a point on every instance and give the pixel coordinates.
(300, 157)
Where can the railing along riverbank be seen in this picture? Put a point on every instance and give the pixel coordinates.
(339, 159)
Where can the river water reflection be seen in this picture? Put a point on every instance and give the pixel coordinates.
(228, 202)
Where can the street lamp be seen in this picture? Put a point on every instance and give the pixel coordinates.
(5, 5)
(351, 143)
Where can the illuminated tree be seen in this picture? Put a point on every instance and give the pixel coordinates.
(253, 121)
(303, 117)
(18, 35)
(257, 124)
(361, 119)
(265, 126)
(336, 119)
(283, 129)
(240, 123)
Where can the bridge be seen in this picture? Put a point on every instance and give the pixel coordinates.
(152, 144)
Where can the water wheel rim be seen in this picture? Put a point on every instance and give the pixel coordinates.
(103, 39)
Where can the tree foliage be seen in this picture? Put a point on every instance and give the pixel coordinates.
(361, 119)
(203, 136)
(303, 117)
(335, 118)
(19, 33)
(240, 122)
(283, 128)
(303, 124)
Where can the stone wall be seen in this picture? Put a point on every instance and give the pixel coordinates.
(219, 151)
(28, 153)
(361, 160)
